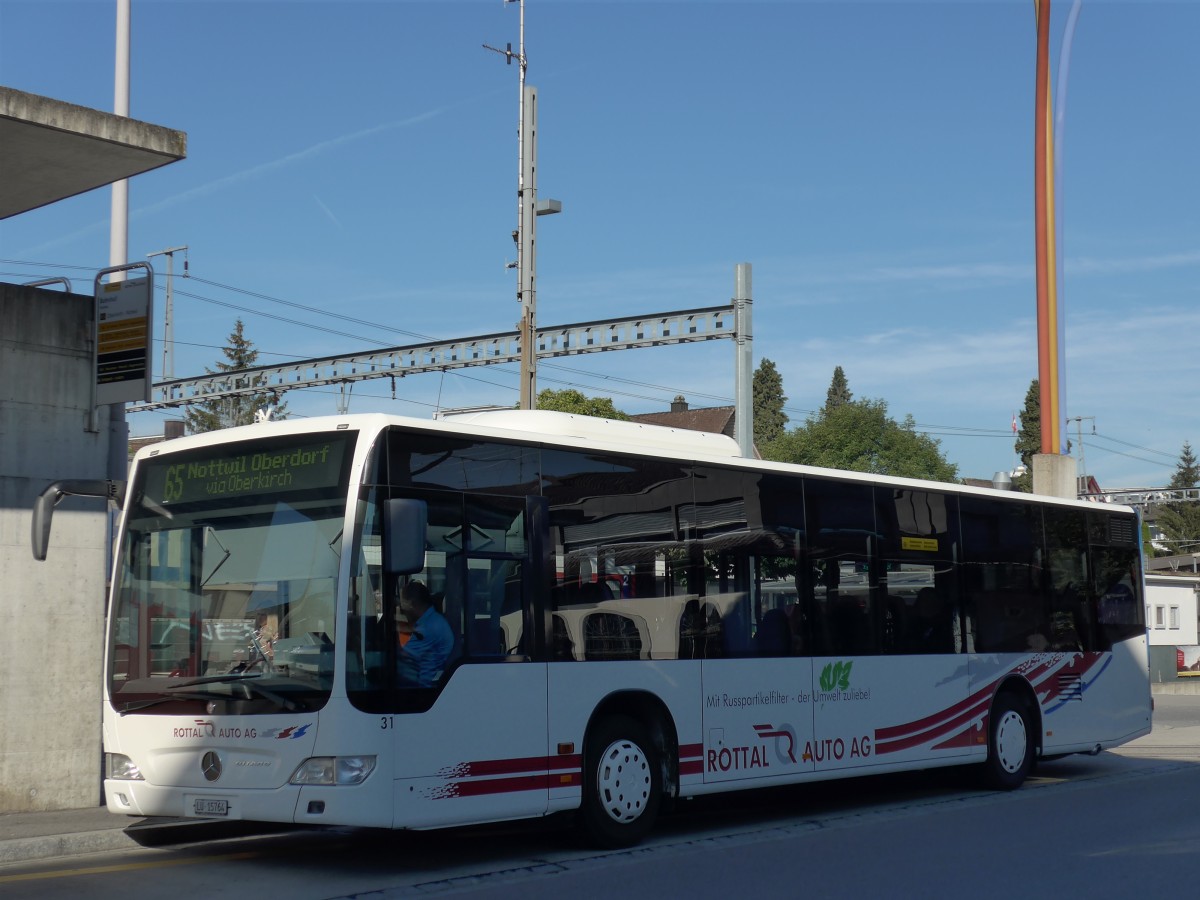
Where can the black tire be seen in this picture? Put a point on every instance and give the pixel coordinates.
(1011, 744)
(622, 783)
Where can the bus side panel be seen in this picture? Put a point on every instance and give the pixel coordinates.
(576, 689)
(1097, 699)
(1086, 698)
(892, 711)
(346, 731)
(758, 718)
(480, 753)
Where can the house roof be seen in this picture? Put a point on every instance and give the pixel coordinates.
(1185, 564)
(717, 419)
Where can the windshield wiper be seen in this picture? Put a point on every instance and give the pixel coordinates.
(135, 705)
(213, 679)
(243, 679)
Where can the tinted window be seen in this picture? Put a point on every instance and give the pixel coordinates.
(841, 584)
(1117, 577)
(750, 527)
(1002, 567)
(626, 560)
(918, 541)
(1072, 607)
(460, 464)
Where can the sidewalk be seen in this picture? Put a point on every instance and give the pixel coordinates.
(70, 832)
(45, 835)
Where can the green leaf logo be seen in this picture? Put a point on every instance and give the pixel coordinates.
(826, 678)
(836, 675)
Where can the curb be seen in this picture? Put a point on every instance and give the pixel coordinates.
(143, 834)
(50, 846)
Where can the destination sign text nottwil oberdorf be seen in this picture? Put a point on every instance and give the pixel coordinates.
(312, 466)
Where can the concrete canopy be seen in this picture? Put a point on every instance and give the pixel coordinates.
(51, 150)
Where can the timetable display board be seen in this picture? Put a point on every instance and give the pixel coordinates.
(124, 312)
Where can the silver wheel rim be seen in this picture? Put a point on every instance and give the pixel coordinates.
(1011, 741)
(623, 781)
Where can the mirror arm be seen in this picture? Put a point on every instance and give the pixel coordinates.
(43, 508)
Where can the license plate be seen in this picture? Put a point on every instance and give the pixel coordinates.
(203, 806)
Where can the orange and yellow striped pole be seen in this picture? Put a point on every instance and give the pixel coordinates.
(1043, 202)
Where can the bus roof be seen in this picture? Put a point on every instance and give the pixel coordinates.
(570, 430)
(608, 431)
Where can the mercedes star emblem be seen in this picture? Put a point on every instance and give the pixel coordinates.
(210, 765)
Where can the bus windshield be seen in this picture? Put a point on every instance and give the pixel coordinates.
(226, 578)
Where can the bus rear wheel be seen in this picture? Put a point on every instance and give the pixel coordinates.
(622, 783)
(1011, 744)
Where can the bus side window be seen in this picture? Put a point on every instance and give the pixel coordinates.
(1070, 623)
(841, 531)
(1003, 564)
(1114, 585)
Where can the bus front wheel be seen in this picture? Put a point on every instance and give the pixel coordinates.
(622, 782)
(1010, 744)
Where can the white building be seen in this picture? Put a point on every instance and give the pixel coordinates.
(1172, 611)
(1171, 607)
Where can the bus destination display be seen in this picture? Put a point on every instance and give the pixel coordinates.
(265, 469)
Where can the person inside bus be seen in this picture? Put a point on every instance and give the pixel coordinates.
(423, 656)
(932, 627)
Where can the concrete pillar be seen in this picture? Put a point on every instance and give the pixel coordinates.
(1054, 475)
(51, 613)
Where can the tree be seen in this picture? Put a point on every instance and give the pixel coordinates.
(858, 435)
(1187, 470)
(1029, 436)
(1180, 522)
(1149, 551)
(769, 417)
(839, 390)
(239, 409)
(572, 401)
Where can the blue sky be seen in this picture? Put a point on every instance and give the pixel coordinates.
(872, 161)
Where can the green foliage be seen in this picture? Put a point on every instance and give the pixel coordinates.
(1187, 472)
(859, 436)
(240, 409)
(769, 418)
(572, 401)
(1149, 551)
(1180, 522)
(839, 391)
(1029, 435)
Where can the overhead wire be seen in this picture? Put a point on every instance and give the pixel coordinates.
(1152, 462)
(1171, 456)
(278, 318)
(312, 309)
(604, 379)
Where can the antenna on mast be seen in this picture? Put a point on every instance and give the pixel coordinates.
(527, 213)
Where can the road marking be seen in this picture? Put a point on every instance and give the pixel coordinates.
(124, 867)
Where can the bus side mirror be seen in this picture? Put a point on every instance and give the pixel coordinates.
(43, 507)
(404, 536)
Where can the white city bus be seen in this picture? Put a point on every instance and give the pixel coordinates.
(638, 614)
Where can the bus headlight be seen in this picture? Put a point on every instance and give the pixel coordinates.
(119, 767)
(334, 770)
